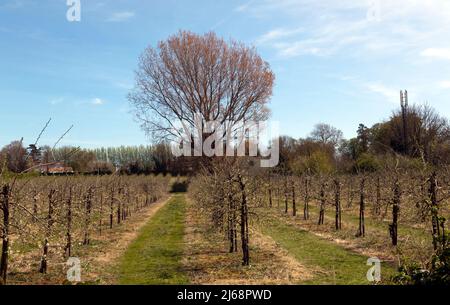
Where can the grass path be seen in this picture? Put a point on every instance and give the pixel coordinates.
(154, 257)
(338, 265)
(352, 219)
(414, 242)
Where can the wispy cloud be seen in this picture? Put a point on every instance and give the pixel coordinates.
(121, 16)
(97, 101)
(437, 53)
(277, 34)
(445, 84)
(391, 95)
(401, 27)
(244, 7)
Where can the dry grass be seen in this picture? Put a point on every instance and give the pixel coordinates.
(98, 260)
(101, 264)
(207, 260)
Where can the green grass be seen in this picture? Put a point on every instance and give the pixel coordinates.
(371, 223)
(340, 266)
(155, 256)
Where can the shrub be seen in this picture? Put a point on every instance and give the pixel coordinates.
(367, 163)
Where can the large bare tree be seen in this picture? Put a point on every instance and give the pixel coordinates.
(326, 134)
(190, 74)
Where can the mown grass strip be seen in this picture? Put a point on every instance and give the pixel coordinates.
(341, 266)
(154, 258)
(371, 223)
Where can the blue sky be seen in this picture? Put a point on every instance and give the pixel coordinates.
(339, 62)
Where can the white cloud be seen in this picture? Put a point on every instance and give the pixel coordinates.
(244, 7)
(241, 8)
(436, 53)
(390, 94)
(445, 84)
(299, 48)
(121, 16)
(97, 101)
(402, 27)
(277, 34)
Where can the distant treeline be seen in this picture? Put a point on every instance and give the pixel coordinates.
(416, 135)
(151, 159)
(413, 136)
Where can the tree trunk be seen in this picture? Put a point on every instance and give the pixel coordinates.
(100, 225)
(434, 210)
(231, 225)
(278, 197)
(362, 228)
(68, 248)
(350, 194)
(5, 233)
(43, 267)
(87, 216)
(270, 196)
(285, 197)
(306, 207)
(395, 212)
(294, 207)
(111, 209)
(322, 205)
(119, 213)
(35, 206)
(378, 199)
(244, 225)
(337, 202)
